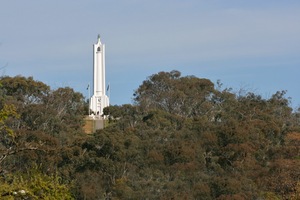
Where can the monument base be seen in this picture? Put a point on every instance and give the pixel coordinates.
(93, 123)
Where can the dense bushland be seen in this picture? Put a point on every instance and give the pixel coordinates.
(183, 138)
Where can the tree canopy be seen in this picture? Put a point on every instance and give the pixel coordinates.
(184, 137)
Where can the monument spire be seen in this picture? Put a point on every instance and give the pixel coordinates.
(99, 99)
(99, 38)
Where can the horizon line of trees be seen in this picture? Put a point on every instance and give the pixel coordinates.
(182, 138)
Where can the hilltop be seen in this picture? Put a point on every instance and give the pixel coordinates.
(183, 138)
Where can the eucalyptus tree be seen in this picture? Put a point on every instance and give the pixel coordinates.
(169, 91)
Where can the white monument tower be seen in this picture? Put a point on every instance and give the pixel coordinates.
(99, 100)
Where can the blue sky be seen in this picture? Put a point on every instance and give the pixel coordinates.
(252, 45)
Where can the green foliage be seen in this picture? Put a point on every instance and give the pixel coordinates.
(127, 115)
(26, 90)
(182, 139)
(53, 111)
(35, 123)
(185, 125)
(5, 113)
(34, 185)
(170, 92)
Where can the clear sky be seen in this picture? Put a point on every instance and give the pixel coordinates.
(254, 45)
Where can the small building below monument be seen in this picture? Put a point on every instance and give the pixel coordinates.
(92, 124)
